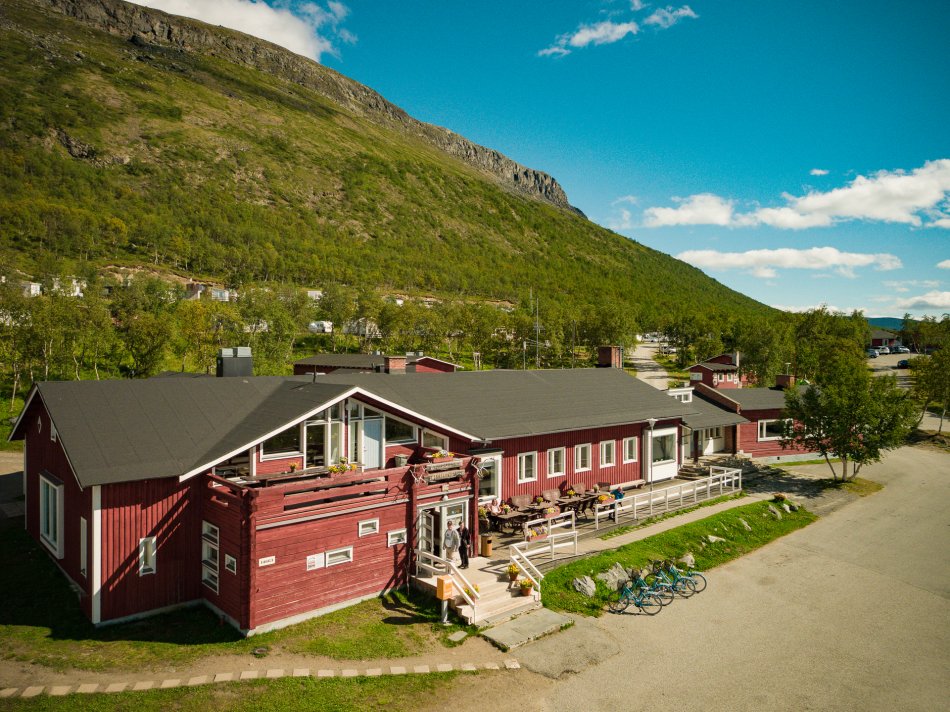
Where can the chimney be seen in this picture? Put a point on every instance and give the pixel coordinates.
(235, 361)
(784, 380)
(395, 364)
(609, 357)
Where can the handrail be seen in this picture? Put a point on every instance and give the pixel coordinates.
(552, 538)
(452, 571)
(520, 557)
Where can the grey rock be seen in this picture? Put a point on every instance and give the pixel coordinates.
(745, 524)
(787, 508)
(76, 148)
(688, 559)
(775, 513)
(614, 577)
(585, 585)
(794, 507)
(714, 539)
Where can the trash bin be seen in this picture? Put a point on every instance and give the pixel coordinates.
(486, 544)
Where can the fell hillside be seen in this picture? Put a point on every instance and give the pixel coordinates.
(202, 151)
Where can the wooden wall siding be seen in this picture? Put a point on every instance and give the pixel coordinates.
(748, 436)
(272, 467)
(44, 454)
(426, 366)
(541, 444)
(225, 506)
(167, 510)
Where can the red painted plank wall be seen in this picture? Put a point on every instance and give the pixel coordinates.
(225, 507)
(749, 436)
(167, 510)
(42, 453)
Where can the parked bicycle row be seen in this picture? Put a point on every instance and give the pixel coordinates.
(667, 581)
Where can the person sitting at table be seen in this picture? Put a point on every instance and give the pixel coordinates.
(618, 495)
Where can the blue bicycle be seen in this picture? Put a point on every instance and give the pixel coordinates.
(683, 585)
(646, 601)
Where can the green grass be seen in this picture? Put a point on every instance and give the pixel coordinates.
(672, 544)
(668, 515)
(40, 622)
(819, 461)
(858, 486)
(8, 415)
(392, 693)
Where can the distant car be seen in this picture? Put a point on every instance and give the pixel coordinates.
(900, 350)
(667, 349)
(883, 350)
(903, 363)
(871, 353)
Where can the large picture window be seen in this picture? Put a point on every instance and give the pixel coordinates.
(431, 439)
(664, 448)
(772, 429)
(399, 431)
(556, 459)
(51, 515)
(324, 437)
(284, 443)
(527, 467)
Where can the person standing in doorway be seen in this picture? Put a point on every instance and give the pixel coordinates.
(465, 541)
(450, 542)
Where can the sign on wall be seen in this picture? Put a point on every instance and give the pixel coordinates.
(267, 561)
(316, 561)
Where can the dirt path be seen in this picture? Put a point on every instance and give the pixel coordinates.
(648, 370)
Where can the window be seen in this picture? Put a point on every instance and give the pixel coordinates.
(664, 448)
(714, 432)
(399, 431)
(556, 459)
(489, 483)
(582, 457)
(209, 555)
(629, 449)
(370, 526)
(430, 439)
(396, 537)
(608, 453)
(284, 443)
(83, 547)
(230, 563)
(340, 556)
(147, 551)
(52, 432)
(51, 515)
(772, 429)
(527, 467)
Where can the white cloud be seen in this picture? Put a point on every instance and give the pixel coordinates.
(930, 300)
(554, 51)
(702, 209)
(830, 307)
(818, 172)
(636, 5)
(886, 196)
(904, 285)
(666, 18)
(606, 32)
(631, 199)
(764, 263)
(944, 265)
(310, 30)
(624, 222)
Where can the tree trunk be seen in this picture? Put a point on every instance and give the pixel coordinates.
(832, 468)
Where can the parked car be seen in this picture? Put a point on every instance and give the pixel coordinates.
(883, 350)
(900, 350)
(903, 363)
(667, 349)
(871, 353)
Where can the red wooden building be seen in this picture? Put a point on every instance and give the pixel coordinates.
(229, 491)
(721, 371)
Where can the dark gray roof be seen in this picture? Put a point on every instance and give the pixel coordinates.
(711, 415)
(713, 366)
(491, 405)
(343, 360)
(755, 398)
(121, 431)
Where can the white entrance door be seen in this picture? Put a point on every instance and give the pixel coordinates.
(433, 521)
(372, 443)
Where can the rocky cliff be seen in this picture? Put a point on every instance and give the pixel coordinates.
(146, 26)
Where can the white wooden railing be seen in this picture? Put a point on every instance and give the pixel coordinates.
(557, 532)
(517, 555)
(721, 480)
(437, 566)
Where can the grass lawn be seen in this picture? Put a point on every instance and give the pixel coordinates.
(393, 693)
(672, 544)
(858, 486)
(669, 515)
(41, 622)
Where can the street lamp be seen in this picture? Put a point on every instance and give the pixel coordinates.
(651, 422)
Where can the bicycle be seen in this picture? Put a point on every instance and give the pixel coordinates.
(621, 599)
(683, 585)
(660, 589)
(696, 576)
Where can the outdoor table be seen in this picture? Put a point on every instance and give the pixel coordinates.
(511, 519)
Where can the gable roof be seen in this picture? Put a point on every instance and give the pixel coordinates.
(710, 415)
(498, 404)
(123, 431)
(752, 398)
(715, 366)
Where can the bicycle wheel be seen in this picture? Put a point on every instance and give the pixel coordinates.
(649, 603)
(618, 601)
(665, 595)
(685, 587)
(699, 580)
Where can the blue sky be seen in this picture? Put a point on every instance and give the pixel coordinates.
(797, 152)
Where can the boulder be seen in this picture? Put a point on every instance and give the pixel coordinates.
(688, 560)
(714, 539)
(794, 507)
(614, 577)
(775, 513)
(585, 585)
(787, 508)
(745, 524)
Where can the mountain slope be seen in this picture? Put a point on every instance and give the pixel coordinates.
(208, 152)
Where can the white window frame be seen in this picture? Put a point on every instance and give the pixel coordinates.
(148, 556)
(762, 423)
(393, 537)
(368, 527)
(347, 551)
(627, 442)
(443, 439)
(289, 453)
(497, 479)
(656, 435)
(409, 441)
(604, 446)
(230, 564)
(552, 471)
(578, 449)
(210, 564)
(52, 432)
(83, 548)
(53, 543)
(522, 458)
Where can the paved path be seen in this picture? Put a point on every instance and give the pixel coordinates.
(850, 613)
(649, 370)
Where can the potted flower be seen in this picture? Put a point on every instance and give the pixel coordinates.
(571, 492)
(550, 512)
(605, 498)
(539, 500)
(513, 572)
(525, 585)
(293, 466)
